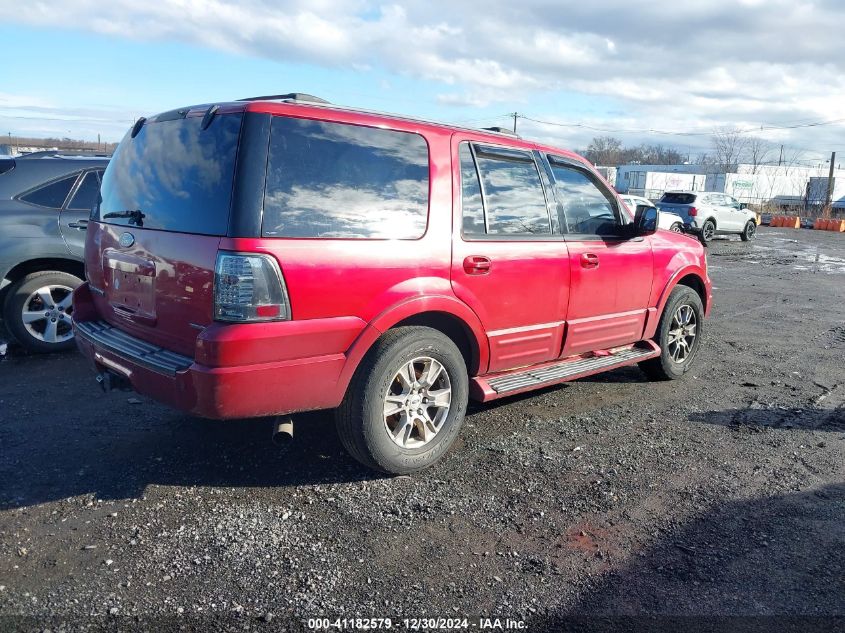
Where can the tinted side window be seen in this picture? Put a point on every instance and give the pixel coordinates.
(335, 180)
(52, 195)
(513, 194)
(586, 208)
(471, 204)
(86, 194)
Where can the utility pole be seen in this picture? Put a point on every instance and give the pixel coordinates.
(829, 197)
(514, 115)
(780, 160)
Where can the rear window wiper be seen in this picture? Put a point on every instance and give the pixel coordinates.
(135, 216)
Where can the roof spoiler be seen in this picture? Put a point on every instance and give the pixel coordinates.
(501, 130)
(291, 96)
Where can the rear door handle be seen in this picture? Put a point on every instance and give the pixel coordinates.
(477, 265)
(589, 260)
(81, 225)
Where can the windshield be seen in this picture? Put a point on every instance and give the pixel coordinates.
(173, 176)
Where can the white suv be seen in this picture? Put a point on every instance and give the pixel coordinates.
(708, 213)
(666, 220)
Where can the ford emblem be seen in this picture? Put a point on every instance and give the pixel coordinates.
(127, 240)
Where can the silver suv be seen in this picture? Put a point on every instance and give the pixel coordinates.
(708, 213)
(45, 202)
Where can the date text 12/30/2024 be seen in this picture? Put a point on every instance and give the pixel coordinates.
(416, 624)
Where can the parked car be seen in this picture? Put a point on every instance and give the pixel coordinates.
(667, 220)
(708, 214)
(271, 256)
(45, 201)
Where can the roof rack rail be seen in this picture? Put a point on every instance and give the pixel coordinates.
(291, 96)
(501, 130)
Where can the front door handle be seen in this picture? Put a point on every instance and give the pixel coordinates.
(589, 260)
(477, 265)
(81, 225)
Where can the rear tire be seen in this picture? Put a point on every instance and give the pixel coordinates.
(708, 230)
(677, 227)
(677, 348)
(37, 311)
(749, 231)
(426, 420)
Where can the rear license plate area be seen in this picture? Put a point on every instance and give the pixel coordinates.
(130, 284)
(131, 291)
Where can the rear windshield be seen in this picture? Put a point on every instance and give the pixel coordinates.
(678, 198)
(173, 176)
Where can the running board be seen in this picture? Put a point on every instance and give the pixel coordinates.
(527, 378)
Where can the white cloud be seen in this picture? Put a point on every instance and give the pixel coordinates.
(691, 65)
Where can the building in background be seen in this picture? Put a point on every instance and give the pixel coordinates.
(770, 186)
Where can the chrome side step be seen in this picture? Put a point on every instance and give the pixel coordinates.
(558, 372)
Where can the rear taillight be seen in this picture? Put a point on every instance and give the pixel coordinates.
(693, 212)
(249, 288)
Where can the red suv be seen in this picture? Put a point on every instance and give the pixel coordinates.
(275, 255)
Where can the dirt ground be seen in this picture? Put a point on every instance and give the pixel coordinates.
(699, 502)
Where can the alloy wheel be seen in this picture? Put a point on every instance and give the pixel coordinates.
(417, 402)
(46, 314)
(682, 333)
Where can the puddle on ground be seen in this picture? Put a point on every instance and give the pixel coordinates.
(802, 256)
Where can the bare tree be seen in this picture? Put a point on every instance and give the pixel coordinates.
(728, 147)
(604, 150)
(608, 151)
(757, 150)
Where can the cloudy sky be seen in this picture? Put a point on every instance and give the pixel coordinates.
(649, 71)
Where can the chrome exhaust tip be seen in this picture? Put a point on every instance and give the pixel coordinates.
(282, 431)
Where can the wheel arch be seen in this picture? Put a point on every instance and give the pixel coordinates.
(690, 276)
(40, 264)
(445, 314)
(695, 282)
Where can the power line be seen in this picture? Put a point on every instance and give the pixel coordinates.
(681, 133)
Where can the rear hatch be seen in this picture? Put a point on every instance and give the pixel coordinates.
(679, 203)
(152, 243)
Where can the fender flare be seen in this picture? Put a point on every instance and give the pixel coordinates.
(401, 311)
(654, 313)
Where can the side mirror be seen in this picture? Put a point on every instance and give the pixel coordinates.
(645, 220)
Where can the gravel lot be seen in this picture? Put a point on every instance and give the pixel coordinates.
(719, 495)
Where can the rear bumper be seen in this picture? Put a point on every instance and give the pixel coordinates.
(237, 371)
(214, 392)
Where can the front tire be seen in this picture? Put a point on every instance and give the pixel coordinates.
(406, 403)
(678, 335)
(677, 227)
(708, 230)
(749, 231)
(38, 308)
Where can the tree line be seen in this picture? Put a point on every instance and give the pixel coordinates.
(59, 143)
(728, 148)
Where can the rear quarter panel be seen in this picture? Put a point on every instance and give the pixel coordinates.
(28, 232)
